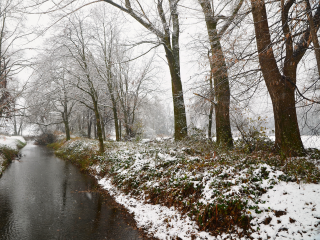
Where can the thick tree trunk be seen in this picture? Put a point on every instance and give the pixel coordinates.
(287, 133)
(180, 120)
(222, 97)
(281, 89)
(173, 57)
(223, 129)
(220, 75)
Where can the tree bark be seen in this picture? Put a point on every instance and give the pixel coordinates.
(66, 126)
(116, 125)
(220, 75)
(89, 124)
(65, 116)
(211, 97)
(173, 57)
(98, 123)
(281, 88)
(120, 129)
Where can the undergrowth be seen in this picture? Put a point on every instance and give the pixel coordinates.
(8, 154)
(20, 144)
(216, 187)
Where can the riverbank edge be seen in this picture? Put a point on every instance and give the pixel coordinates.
(83, 153)
(8, 154)
(88, 157)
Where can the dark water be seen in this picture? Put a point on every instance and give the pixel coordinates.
(43, 197)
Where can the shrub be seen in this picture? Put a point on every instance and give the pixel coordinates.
(45, 139)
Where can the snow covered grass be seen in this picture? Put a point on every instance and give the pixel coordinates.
(14, 142)
(192, 190)
(9, 147)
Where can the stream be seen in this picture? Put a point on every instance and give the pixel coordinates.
(43, 197)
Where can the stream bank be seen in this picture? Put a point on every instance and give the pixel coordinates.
(44, 197)
(9, 150)
(193, 190)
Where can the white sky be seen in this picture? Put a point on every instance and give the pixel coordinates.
(190, 24)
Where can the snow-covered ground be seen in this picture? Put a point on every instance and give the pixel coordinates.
(10, 142)
(298, 210)
(287, 210)
(291, 211)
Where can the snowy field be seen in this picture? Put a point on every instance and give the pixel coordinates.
(285, 210)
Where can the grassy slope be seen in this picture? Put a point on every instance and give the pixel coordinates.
(218, 189)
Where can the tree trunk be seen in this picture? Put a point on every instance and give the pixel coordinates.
(280, 88)
(66, 125)
(103, 129)
(180, 120)
(210, 121)
(221, 82)
(211, 103)
(120, 130)
(15, 131)
(95, 129)
(98, 123)
(66, 118)
(287, 132)
(116, 125)
(89, 124)
(173, 57)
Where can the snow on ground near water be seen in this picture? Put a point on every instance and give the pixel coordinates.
(11, 141)
(299, 204)
(289, 211)
(160, 221)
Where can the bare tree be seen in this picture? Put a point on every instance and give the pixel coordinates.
(168, 36)
(11, 31)
(106, 35)
(52, 89)
(281, 82)
(76, 39)
(219, 72)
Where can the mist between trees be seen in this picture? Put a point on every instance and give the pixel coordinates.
(100, 71)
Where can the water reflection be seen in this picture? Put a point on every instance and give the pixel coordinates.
(43, 197)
